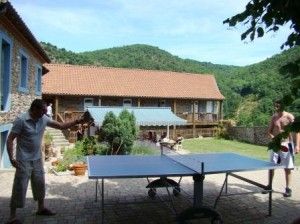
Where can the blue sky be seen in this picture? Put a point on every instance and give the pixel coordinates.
(191, 29)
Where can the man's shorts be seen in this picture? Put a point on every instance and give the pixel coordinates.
(285, 158)
(29, 170)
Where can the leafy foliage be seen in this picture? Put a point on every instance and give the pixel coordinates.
(142, 149)
(272, 15)
(269, 15)
(70, 156)
(89, 145)
(119, 132)
(62, 56)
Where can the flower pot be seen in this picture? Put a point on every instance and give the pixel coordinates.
(79, 169)
(54, 163)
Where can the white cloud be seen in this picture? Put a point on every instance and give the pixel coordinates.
(57, 19)
(190, 29)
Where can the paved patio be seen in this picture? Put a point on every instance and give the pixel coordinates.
(73, 198)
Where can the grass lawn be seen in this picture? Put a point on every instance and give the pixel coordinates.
(208, 145)
(143, 149)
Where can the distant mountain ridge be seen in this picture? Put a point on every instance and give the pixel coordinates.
(249, 90)
(132, 56)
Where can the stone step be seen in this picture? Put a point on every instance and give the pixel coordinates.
(59, 144)
(58, 136)
(54, 131)
(59, 139)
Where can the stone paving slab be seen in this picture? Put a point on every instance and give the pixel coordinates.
(73, 198)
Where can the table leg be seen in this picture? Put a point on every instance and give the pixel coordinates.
(270, 193)
(198, 211)
(225, 185)
(96, 193)
(102, 204)
(198, 190)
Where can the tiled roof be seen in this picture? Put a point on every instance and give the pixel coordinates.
(102, 81)
(7, 11)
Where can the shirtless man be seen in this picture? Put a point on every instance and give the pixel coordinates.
(279, 120)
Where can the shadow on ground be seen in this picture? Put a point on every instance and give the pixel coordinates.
(74, 201)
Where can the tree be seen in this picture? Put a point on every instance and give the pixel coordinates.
(268, 16)
(119, 132)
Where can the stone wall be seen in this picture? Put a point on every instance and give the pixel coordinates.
(19, 102)
(254, 135)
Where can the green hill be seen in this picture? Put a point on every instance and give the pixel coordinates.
(249, 90)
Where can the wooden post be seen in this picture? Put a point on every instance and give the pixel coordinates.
(193, 118)
(168, 131)
(56, 107)
(221, 110)
(174, 111)
(99, 101)
(174, 106)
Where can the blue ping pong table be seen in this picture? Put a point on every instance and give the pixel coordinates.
(176, 165)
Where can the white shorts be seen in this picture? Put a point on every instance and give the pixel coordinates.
(284, 158)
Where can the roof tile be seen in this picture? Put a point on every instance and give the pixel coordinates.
(65, 79)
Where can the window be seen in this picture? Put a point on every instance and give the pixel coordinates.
(202, 106)
(212, 107)
(38, 80)
(216, 107)
(88, 102)
(161, 103)
(23, 85)
(127, 102)
(5, 71)
(209, 107)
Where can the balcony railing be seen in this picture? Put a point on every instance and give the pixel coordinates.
(204, 118)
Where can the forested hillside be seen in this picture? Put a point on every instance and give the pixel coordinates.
(249, 90)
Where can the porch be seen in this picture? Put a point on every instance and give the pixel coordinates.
(198, 118)
(204, 124)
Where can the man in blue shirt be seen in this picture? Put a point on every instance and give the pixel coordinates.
(28, 130)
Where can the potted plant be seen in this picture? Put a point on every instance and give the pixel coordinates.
(79, 167)
(73, 159)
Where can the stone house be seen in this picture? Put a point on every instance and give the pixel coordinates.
(193, 97)
(21, 70)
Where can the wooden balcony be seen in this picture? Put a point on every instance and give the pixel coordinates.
(200, 118)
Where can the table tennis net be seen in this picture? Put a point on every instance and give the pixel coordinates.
(184, 160)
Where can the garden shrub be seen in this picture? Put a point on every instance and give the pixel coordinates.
(71, 156)
(119, 132)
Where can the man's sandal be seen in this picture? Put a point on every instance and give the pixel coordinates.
(45, 212)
